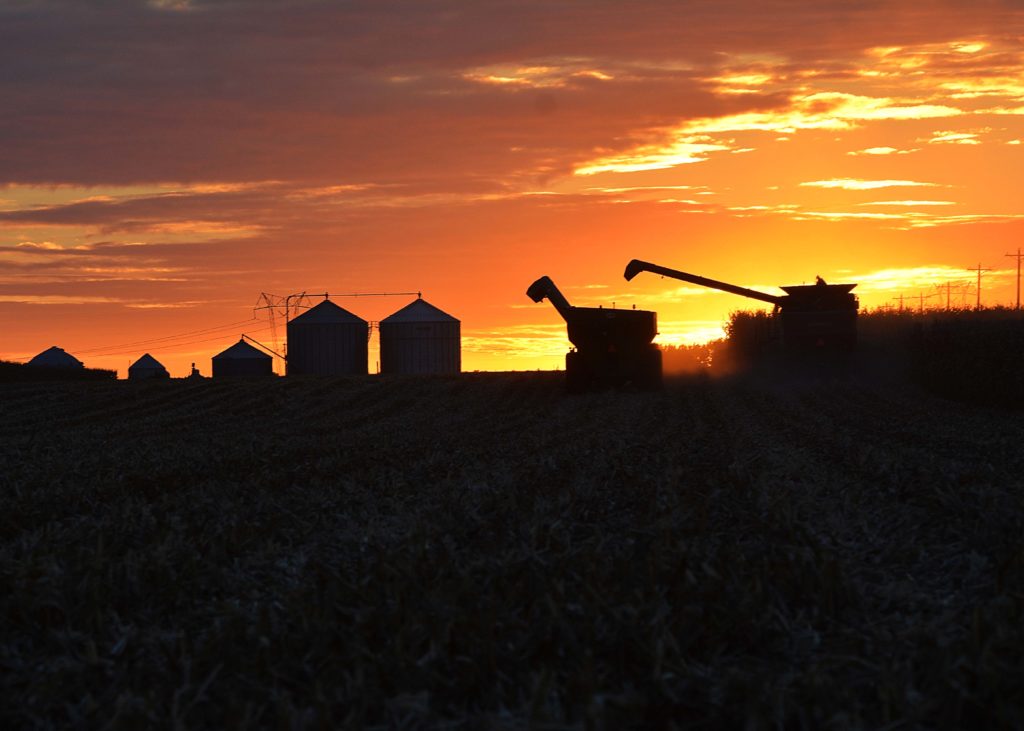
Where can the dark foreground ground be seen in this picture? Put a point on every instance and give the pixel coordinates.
(484, 552)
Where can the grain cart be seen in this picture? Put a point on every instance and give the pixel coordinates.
(612, 347)
(817, 317)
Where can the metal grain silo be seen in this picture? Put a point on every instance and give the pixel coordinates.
(54, 357)
(420, 338)
(147, 367)
(242, 360)
(327, 340)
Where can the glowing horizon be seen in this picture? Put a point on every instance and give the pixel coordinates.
(145, 196)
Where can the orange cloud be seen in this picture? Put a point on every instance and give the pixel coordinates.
(854, 184)
(822, 110)
(881, 151)
(555, 76)
(694, 140)
(908, 203)
(54, 299)
(950, 137)
(921, 277)
(655, 157)
(973, 88)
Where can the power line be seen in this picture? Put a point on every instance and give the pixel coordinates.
(155, 343)
(274, 304)
(171, 346)
(1018, 256)
(186, 334)
(979, 270)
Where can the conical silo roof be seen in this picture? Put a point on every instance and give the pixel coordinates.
(326, 313)
(242, 350)
(419, 310)
(57, 358)
(147, 362)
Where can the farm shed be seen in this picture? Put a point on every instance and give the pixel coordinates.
(54, 357)
(147, 367)
(242, 360)
(327, 340)
(420, 338)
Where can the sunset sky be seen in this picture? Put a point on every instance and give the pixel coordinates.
(163, 163)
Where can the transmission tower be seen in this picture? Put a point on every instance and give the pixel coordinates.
(271, 303)
(289, 305)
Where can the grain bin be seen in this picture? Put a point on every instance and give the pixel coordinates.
(327, 340)
(54, 357)
(145, 368)
(242, 360)
(420, 338)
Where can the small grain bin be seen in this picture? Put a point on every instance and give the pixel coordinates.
(54, 357)
(327, 340)
(420, 338)
(242, 360)
(145, 368)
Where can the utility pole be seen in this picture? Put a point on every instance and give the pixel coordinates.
(979, 270)
(1017, 256)
(900, 298)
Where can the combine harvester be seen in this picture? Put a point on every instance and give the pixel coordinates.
(816, 318)
(613, 348)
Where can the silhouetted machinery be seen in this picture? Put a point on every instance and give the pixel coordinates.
(814, 317)
(612, 347)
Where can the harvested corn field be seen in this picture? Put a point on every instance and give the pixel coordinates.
(483, 551)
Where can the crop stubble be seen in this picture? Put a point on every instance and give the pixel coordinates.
(484, 550)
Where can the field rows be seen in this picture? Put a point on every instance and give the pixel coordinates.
(484, 550)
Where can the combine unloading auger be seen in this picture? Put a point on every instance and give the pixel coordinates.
(612, 347)
(814, 317)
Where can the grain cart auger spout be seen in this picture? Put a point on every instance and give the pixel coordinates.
(613, 347)
(817, 317)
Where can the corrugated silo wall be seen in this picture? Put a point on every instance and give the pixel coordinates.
(420, 347)
(242, 367)
(327, 349)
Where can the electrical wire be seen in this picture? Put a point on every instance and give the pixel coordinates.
(164, 343)
(186, 334)
(154, 344)
(172, 346)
